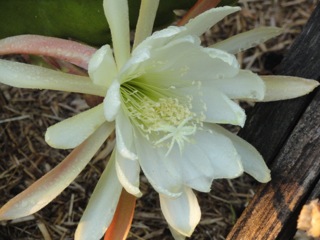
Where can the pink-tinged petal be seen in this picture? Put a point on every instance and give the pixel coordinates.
(182, 213)
(70, 51)
(28, 76)
(43, 191)
(121, 222)
(102, 205)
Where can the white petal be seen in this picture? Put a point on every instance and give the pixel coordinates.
(246, 40)
(224, 56)
(117, 15)
(112, 102)
(251, 159)
(206, 20)
(286, 87)
(125, 136)
(178, 60)
(159, 38)
(128, 172)
(181, 60)
(102, 68)
(182, 213)
(217, 107)
(102, 205)
(27, 76)
(73, 131)
(160, 171)
(176, 235)
(224, 158)
(147, 14)
(195, 166)
(245, 86)
(187, 60)
(43, 191)
(221, 109)
(134, 67)
(153, 58)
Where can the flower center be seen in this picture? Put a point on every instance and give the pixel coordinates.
(162, 117)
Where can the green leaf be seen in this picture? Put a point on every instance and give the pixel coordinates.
(82, 20)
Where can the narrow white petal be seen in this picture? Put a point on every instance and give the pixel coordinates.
(286, 87)
(147, 15)
(27, 76)
(206, 20)
(224, 158)
(128, 172)
(182, 213)
(251, 159)
(102, 68)
(117, 14)
(73, 131)
(43, 191)
(125, 136)
(246, 40)
(245, 86)
(102, 205)
(161, 172)
(112, 102)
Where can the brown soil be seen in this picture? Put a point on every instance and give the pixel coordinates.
(25, 156)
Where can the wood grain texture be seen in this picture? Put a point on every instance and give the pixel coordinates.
(294, 172)
(272, 122)
(288, 137)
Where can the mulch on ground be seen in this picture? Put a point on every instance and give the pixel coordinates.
(25, 156)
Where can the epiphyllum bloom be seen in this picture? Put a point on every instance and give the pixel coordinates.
(165, 99)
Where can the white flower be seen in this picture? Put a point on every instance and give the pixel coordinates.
(164, 99)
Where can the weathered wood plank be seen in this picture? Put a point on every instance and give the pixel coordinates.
(296, 170)
(272, 122)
